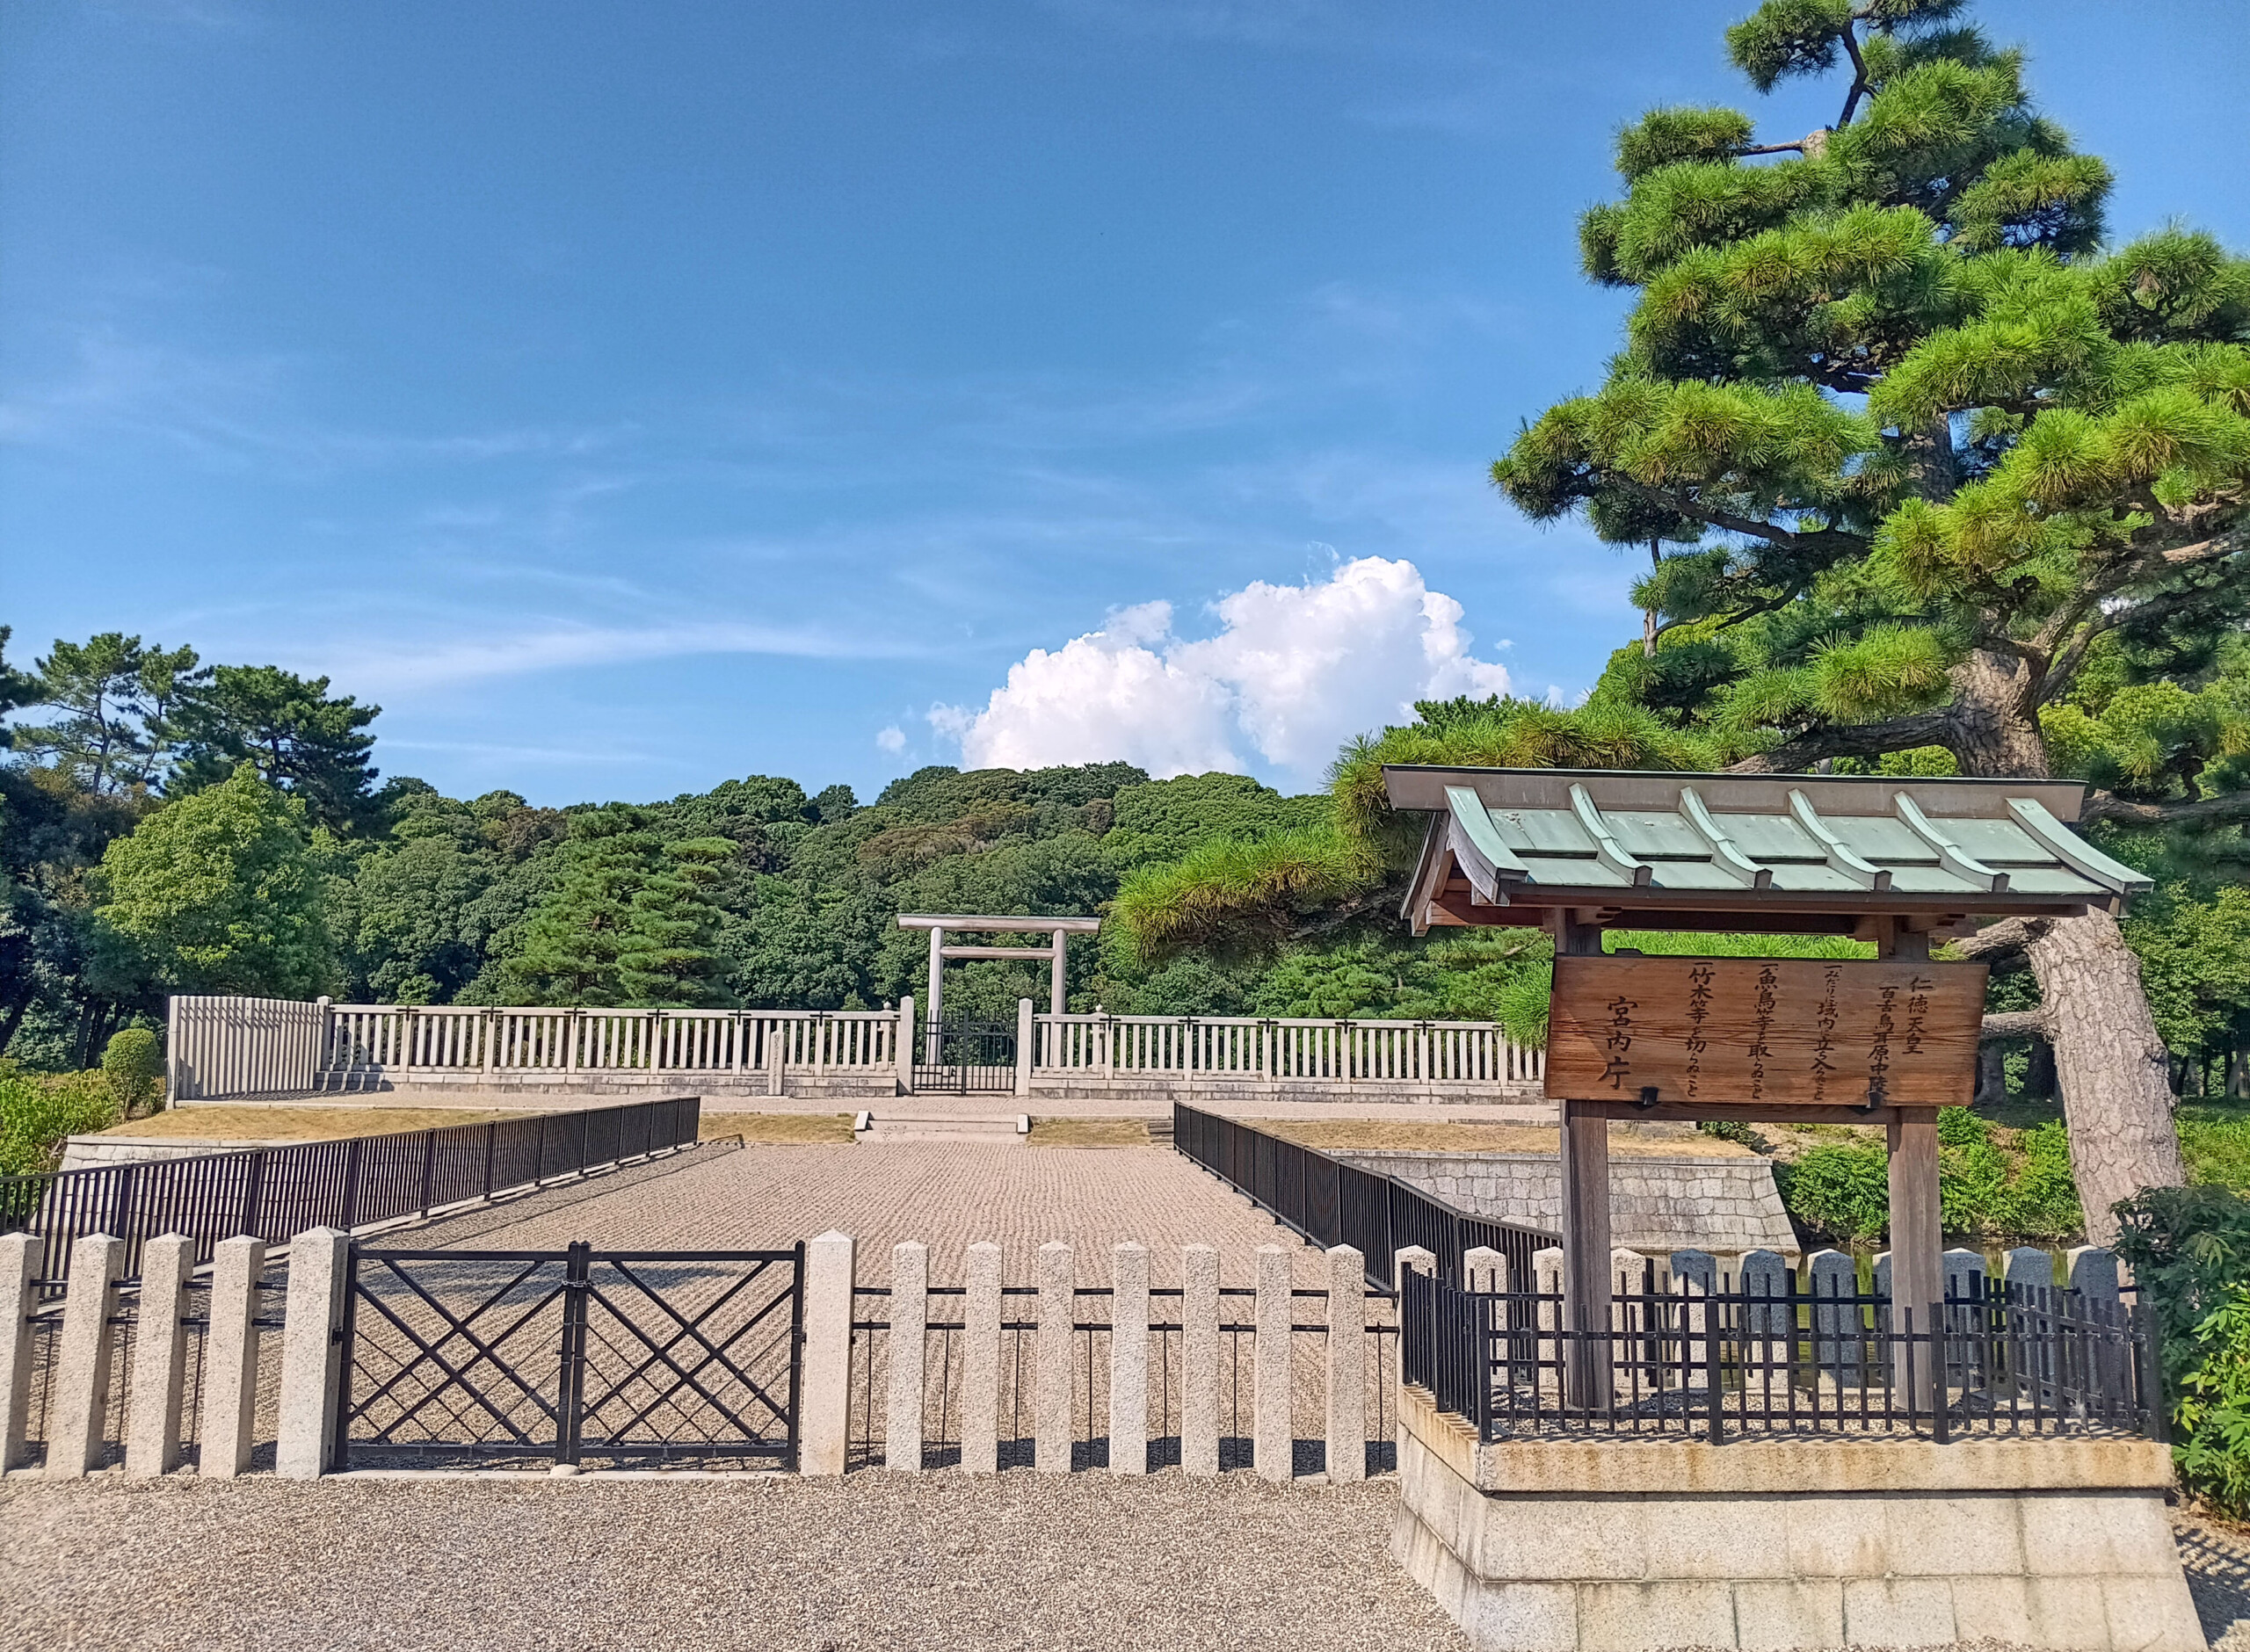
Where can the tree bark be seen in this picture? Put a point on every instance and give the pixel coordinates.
(2111, 1069)
(2110, 1066)
(2039, 1076)
(1992, 1076)
(1994, 732)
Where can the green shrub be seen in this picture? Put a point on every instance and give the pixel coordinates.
(1972, 1183)
(2040, 1200)
(1959, 1127)
(38, 1110)
(2190, 1249)
(1839, 1192)
(134, 1068)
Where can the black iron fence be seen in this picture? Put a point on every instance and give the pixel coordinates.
(1332, 1203)
(1726, 1363)
(967, 1057)
(274, 1193)
(670, 1358)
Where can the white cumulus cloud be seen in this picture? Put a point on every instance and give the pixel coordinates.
(1294, 671)
(892, 740)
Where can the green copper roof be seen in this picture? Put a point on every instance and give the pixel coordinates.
(1732, 842)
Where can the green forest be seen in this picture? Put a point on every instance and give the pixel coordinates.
(171, 828)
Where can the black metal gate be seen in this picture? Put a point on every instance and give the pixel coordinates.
(674, 1356)
(972, 1058)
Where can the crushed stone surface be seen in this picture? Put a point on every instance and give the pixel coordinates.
(875, 1560)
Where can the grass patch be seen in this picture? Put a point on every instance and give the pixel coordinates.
(1089, 1133)
(2215, 1141)
(1384, 1136)
(779, 1129)
(299, 1124)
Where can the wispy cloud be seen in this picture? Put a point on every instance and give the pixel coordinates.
(231, 411)
(410, 667)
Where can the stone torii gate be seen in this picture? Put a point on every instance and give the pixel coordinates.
(938, 924)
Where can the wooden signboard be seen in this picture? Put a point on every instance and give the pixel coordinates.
(1736, 1032)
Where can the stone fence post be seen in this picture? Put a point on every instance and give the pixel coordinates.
(1023, 1048)
(980, 1360)
(230, 1359)
(80, 1398)
(1198, 1360)
(1129, 1359)
(159, 1357)
(312, 1352)
(904, 1053)
(1273, 1436)
(1348, 1365)
(20, 1256)
(909, 1318)
(824, 1408)
(1051, 1358)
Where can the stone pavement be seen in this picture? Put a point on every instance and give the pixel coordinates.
(949, 1197)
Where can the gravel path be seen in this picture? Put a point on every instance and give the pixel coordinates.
(945, 1195)
(932, 1562)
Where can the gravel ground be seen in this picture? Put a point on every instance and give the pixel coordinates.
(947, 1195)
(930, 1563)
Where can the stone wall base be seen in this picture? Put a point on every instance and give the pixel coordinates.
(2085, 1567)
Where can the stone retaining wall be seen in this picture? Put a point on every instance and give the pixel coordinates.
(1614, 1546)
(1725, 1206)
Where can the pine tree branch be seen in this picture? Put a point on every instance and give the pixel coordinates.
(1852, 740)
(2215, 549)
(2015, 1023)
(1998, 942)
(2223, 810)
(1666, 500)
(1859, 78)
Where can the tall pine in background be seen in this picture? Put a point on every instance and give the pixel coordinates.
(1931, 482)
(671, 956)
(574, 939)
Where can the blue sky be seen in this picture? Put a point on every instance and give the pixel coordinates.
(629, 397)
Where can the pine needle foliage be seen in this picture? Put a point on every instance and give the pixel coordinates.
(1231, 897)
(1909, 449)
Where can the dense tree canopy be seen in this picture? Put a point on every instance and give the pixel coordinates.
(220, 892)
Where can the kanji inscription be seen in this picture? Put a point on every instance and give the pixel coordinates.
(1735, 1032)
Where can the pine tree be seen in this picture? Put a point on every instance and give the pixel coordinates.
(573, 942)
(1932, 463)
(299, 737)
(669, 957)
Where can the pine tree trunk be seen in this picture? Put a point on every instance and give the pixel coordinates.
(2039, 1074)
(1992, 1076)
(2110, 1066)
(2111, 1069)
(1990, 734)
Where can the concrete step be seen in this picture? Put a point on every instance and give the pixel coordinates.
(996, 1131)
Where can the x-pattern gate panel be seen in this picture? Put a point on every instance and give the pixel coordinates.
(972, 1058)
(675, 1357)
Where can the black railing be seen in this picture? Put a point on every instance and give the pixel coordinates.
(1727, 1363)
(1332, 1203)
(967, 1058)
(662, 1356)
(275, 1193)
